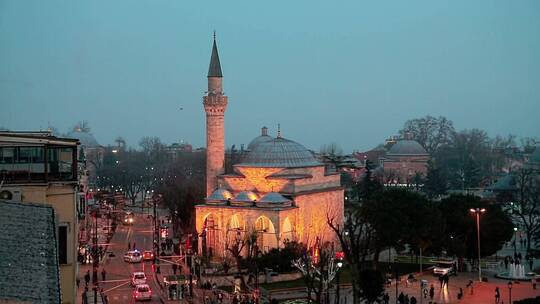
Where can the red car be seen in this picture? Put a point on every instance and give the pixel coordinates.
(148, 255)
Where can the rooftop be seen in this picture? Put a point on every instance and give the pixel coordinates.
(279, 153)
(29, 254)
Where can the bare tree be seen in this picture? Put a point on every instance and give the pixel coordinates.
(430, 132)
(527, 203)
(355, 236)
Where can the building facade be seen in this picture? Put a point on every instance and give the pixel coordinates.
(36, 167)
(278, 192)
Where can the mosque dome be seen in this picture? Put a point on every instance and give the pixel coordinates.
(279, 153)
(87, 139)
(264, 137)
(407, 147)
(220, 196)
(274, 199)
(244, 198)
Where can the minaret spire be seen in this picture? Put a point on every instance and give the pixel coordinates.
(215, 67)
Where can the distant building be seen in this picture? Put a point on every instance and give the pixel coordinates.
(176, 149)
(29, 251)
(36, 167)
(534, 161)
(405, 159)
(278, 191)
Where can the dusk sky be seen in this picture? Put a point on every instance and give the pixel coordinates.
(349, 72)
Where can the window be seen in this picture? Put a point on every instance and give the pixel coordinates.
(62, 244)
(31, 155)
(7, 155)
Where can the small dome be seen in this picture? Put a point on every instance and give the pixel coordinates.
(273, 199)
(245, 196)
(86, 139)
(407, 147)
(219, 196)
(279, 153)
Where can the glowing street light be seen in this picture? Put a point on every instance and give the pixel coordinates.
(477, 211)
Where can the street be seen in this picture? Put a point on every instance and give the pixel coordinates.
(117, 285)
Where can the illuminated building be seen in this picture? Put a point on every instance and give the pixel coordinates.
(279, 191)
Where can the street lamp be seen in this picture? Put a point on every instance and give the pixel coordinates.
(515, 241)
(477, 211)
(510, 292)
(339, 265)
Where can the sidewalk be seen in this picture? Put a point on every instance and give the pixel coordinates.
(83, 268)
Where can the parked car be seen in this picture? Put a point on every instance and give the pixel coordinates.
(444, 267)
(133, 256)
(148, 255)
(138, 278)
(142, 292)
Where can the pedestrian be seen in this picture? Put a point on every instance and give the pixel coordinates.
(129, 246)
(441, 280)
(87, 277)
(446, 278)
(406, 299)
(386, 298)
(431, 292)
(78, 282)
(401, 298)
(470, 285)
(533, 283)
(497, 295)
(506, 261)
(103, 274)
(460, 293)
(84, 296)
(531, 263)
(413, 300)
(174, 268)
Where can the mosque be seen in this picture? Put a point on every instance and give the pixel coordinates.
(278, 192)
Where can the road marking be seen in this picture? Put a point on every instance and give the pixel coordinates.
(117, 287)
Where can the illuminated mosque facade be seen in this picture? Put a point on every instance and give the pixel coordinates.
(278, 192)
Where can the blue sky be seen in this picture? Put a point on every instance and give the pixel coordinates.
(350, 72)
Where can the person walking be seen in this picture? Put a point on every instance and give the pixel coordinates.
(497, 295)
(431, 292)
(446, 278)
(103, 274)
(174, 268)
(441, 280)
(413, 300)
(84, 296)
(78, 282)
(401, 298)
(87, 277)
(129, 246)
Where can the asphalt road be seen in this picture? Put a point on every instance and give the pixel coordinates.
(117, 285)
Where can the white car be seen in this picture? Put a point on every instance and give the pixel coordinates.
(138, 278)
(133, 256)
(142, 292)
(444, 267)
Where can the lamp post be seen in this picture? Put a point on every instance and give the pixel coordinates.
(339, 265)
(477, 211)
(510, 292)
(515, 241)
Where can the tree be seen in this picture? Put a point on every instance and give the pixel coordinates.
(435, 182)
(355, 237)
(430, 132)
(527, 203)
(369, 185)
(460, 226)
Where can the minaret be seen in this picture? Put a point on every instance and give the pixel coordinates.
(215, 104)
